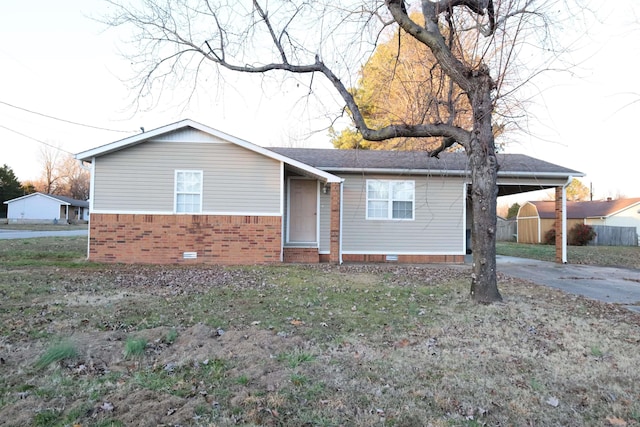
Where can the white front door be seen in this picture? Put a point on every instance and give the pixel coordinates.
(303, 206)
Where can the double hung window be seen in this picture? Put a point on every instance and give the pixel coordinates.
(390, 199)
(188, 191)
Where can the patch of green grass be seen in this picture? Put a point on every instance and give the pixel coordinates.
(522, 250)
(179, 381)
(296, 358)
(202, 410)
(76, 413)
(134, 347)
(62, 350)
(536, 385)
(614, 256)
(46, 418)
(596, 351)
(214, 369)
(298, 300)
(109, 423)
(242, 380)
(67, 252)
(171, 337)
(298, 380)
(161, 380)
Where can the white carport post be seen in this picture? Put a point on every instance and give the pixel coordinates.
(564, 219)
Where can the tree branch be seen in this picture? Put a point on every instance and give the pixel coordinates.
(430, 35)
(276, 40)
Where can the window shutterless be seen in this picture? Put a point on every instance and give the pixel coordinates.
(188, 191)
(389, 199)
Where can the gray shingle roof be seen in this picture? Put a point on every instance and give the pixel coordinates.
(452, 163)
(591, 209)
(71, 201)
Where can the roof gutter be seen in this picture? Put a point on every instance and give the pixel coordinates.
(444, 172)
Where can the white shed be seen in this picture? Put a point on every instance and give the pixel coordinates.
(39, 208)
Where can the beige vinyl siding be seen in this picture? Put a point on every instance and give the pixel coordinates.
(438, 227)
(141, 178)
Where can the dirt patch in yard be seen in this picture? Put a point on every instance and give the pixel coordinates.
(360, 345)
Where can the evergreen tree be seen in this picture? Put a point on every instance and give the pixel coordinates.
(10, 188)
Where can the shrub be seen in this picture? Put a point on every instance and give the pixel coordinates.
(550, 236)
(581, 234)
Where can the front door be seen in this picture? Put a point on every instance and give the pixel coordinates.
(302, 210)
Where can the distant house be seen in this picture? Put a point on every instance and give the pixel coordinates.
(536, 218)
(187, 193)
(46, 208)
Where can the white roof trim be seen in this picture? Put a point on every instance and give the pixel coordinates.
(89, 155)
(37, 194)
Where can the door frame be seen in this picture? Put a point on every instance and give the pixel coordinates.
(315, 244)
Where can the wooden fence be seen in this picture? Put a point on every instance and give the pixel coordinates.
(607, 235)
(507, 230)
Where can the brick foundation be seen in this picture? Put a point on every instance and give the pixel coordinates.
(162, 239)
(301, 255)
(406, 259)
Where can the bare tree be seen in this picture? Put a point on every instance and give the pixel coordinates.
(74, 179)
(49, 182)
(473, 42)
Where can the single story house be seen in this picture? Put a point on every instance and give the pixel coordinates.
(40, 208)
(536, 218)
(186, 192)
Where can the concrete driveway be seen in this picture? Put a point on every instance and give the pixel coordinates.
(608, 284)
(25, 234)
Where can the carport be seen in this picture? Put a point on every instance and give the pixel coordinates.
(524, 174)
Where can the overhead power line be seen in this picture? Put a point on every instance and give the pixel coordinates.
(36, 139)
(64, 120)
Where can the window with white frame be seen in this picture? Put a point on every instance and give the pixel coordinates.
(390, 199)
(188, 191)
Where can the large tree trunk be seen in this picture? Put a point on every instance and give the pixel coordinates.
(484, 192)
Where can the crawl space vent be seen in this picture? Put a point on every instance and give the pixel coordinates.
(190, 255)
(392, 258)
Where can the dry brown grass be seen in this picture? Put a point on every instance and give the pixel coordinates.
(322, 345)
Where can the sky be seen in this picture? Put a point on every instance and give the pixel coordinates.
(63, 84)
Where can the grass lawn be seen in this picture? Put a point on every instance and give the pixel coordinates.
(352, 345)
(43, 227)
(614, 256)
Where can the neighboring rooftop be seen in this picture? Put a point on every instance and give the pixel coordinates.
(70, 200)
(63, 199)
(590, 209)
